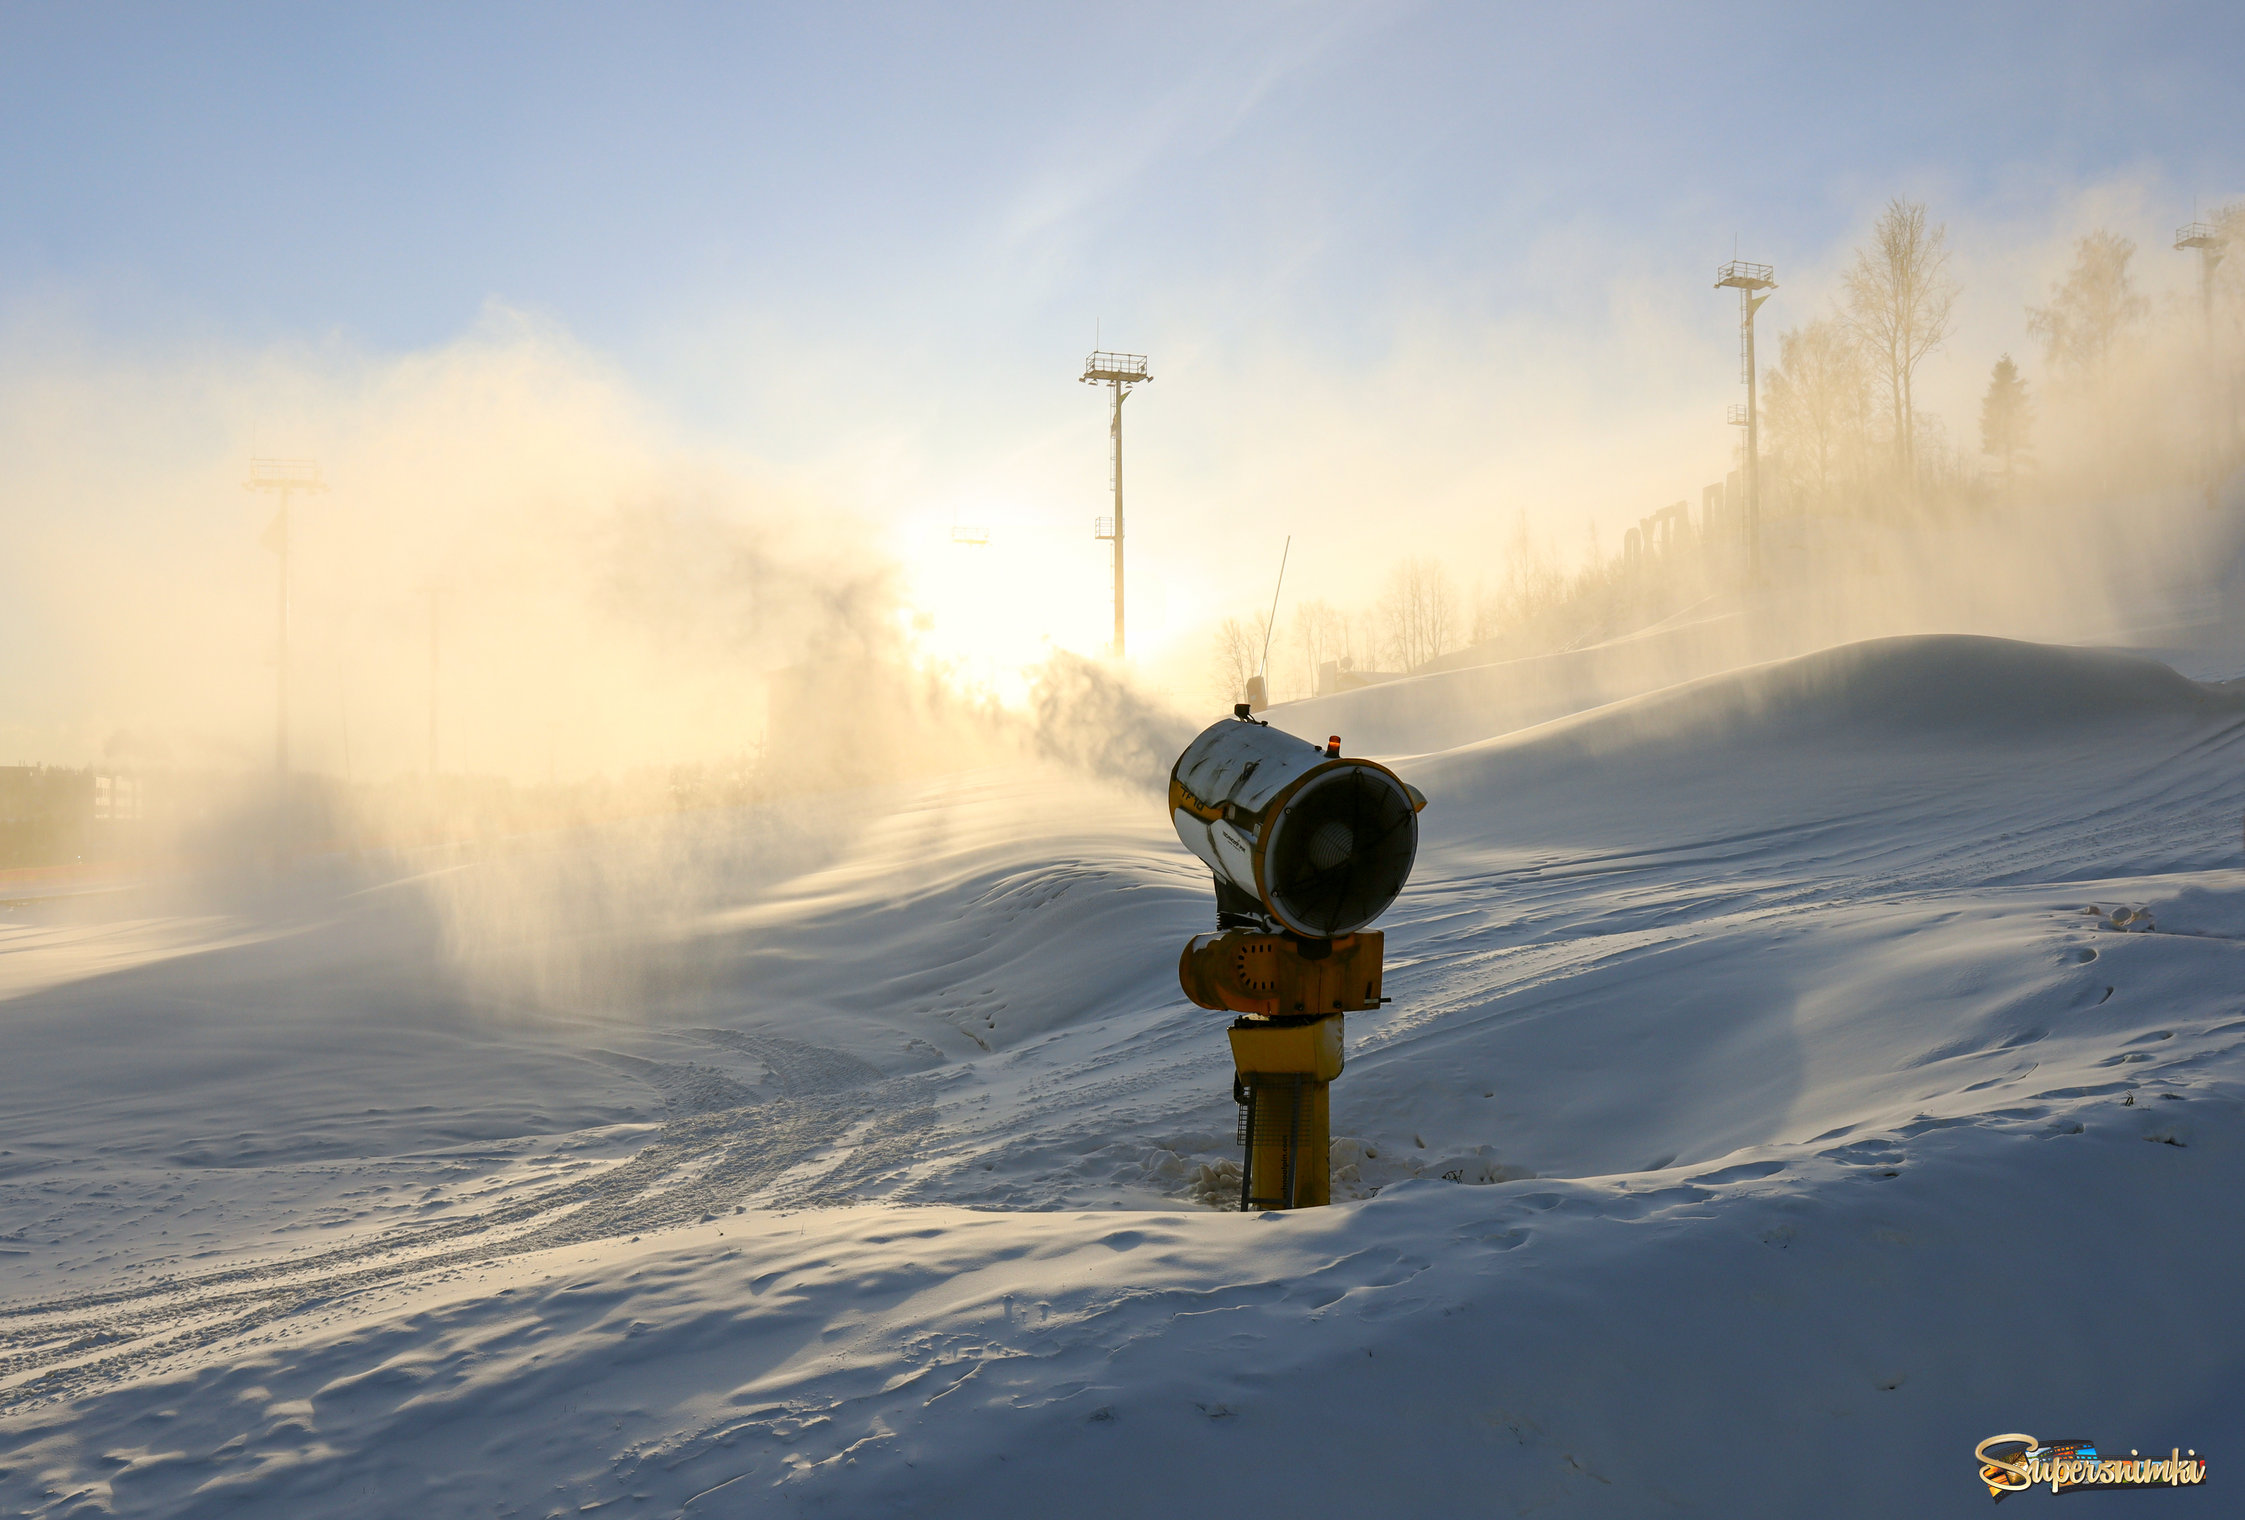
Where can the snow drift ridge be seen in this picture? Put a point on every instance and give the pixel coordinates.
(1919, 684)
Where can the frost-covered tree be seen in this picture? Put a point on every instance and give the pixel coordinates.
(2092, 308)
(1901, 304)
(1817, 408)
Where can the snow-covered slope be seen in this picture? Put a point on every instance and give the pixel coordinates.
(1763, 1118)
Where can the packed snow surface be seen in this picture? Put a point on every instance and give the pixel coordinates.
(1793, 1077)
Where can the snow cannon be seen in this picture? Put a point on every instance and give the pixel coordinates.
(1301, 839)
(1307, 847)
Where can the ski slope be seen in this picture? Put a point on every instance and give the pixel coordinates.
(1794, 1076)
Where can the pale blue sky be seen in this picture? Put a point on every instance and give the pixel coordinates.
(970, 177)
(1449, 262)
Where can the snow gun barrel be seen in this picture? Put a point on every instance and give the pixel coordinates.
(1298, 837)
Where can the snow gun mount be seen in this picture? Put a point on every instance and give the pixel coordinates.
(1307, 847)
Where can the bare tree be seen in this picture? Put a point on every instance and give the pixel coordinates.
(1532, 583)
(1419, 612)
(1818, 406)
(1901, 304)
(1488, 619)
(1321, 632)
(2092, 309)
(1239, 650)
(1441, 616)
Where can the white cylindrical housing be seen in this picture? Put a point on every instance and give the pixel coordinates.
(1324, 844)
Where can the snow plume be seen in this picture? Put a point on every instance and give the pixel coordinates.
(602, 594)
(709, 582)
(649, 911)
(627, 638)
(664, 676)
(1091, 720)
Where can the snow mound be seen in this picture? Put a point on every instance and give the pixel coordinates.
(1959, 684)
(1781, 1056)
(1660, 688)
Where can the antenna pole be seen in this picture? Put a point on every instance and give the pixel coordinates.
(1271, 623)
(280, 657)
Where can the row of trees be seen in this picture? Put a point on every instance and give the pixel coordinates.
(1416, 618)
(1844, 429)
(1844, 433)
(1421, 614)
(1840, 403)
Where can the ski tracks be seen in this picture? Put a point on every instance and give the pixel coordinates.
(828, 1129)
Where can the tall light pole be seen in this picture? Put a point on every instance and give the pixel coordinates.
(284, 477)
(1747, 279)
(435, 593)
(2211, 241)
(1118, 372)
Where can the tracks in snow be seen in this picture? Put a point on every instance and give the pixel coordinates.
(835, 1131)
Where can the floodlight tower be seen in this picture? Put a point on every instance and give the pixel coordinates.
(1747, 279)
(1118, 372)
(435, 591)
(2211, 240)
(285, 477)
